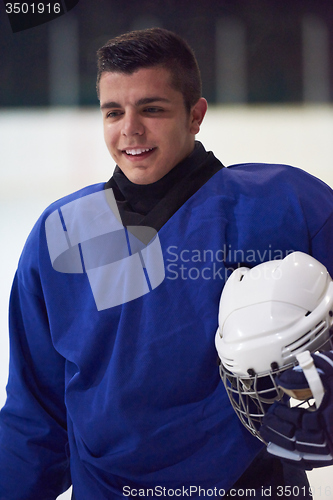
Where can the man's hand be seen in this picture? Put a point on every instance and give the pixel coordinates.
(298, 435)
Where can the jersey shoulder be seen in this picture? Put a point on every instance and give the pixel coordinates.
(37, 233)
(81, 193)
(270, 176)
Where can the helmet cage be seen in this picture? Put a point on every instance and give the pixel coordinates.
(252, 395)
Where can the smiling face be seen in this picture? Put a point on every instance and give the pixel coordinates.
(147, 129)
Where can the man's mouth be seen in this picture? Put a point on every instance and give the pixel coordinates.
(137, 151)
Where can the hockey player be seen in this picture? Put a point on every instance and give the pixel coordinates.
(113, 381)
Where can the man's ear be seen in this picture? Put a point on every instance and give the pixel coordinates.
(197, 114)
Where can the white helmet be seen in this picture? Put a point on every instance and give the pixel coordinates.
(268, 315)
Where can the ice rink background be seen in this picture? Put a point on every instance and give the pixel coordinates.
(47, 154)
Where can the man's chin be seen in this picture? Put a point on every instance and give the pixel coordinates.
(138, 175)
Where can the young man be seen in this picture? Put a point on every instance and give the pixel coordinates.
(113, 384)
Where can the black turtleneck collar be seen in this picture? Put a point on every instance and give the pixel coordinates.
(152, 204)
(142, 198)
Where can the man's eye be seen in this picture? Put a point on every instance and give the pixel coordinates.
(153, 110)
(113, 114)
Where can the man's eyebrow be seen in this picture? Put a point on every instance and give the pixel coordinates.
(150, 100)
(140, 102)
(110, 104)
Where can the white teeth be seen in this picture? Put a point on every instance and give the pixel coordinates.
(136, 151)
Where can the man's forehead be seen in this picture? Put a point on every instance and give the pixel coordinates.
(141, 87)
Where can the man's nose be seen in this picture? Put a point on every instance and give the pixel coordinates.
(132, 124)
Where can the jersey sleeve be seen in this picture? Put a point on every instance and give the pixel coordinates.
(322, 244)
(316, 201)
(33, 436)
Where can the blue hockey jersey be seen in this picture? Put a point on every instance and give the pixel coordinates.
(125, 399)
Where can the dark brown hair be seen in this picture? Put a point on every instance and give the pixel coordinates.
(132, 51)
